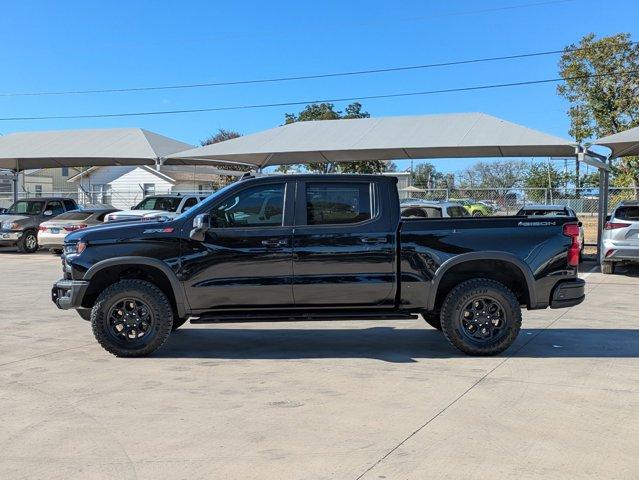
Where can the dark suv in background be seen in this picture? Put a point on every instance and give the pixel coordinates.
(20, 222)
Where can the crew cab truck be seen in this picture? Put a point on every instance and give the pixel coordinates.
(312, 247)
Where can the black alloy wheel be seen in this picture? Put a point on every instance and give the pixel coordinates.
(132, 318)
(481, 317)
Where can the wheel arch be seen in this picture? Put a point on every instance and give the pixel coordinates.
(499, 266)
(109, 271)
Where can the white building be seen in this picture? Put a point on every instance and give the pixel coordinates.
(124, 187)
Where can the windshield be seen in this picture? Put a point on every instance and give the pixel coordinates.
(167, 204)
(25, 207)
(627, 213)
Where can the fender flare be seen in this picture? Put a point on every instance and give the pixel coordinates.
(484, 255)
(176, 285)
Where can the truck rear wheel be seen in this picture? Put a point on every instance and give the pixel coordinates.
(132, 318)
(481, 317)
(28, 242)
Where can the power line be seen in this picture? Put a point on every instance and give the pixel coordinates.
(326, 100)
(301, 77)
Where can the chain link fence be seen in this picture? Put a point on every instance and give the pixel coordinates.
(122, 199)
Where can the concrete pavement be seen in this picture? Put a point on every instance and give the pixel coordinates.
(341, 400)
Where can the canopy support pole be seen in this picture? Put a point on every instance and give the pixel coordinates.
(14, 180)
(604, 179)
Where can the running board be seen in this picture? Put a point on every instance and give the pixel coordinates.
(298, 317)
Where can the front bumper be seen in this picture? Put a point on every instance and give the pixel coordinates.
(9, 237)
(68, 294)
(568, 293)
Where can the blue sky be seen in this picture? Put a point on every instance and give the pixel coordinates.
(49, 46)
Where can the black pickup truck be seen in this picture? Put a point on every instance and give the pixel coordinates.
(312, 247)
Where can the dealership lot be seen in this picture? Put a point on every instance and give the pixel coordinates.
(348, 400)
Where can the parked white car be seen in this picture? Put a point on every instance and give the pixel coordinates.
(620, 238)
(51, 233)
(432, 209)
(156, 207)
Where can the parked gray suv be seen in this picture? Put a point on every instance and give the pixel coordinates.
(20, 222)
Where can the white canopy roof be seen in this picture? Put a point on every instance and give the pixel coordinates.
(386, 138)
(622, 144)
(73, 148)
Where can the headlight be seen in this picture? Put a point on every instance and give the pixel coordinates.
(11, 226)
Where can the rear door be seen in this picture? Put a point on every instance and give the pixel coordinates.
(343, 244)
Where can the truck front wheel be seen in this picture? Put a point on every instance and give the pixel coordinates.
(28, 242)
(132, 318)
(481, 317)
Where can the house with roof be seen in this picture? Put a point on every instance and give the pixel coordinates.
(125, 186)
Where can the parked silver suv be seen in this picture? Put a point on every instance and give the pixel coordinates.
(620, 239)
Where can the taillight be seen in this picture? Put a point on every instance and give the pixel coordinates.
(615, 225)
(73, 228)
(572, 230)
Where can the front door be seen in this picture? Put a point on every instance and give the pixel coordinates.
(245, 260)
(344, 245)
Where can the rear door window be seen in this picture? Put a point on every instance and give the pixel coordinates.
(337, 203)
(628, 213)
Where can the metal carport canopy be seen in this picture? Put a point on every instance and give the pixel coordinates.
(622, 144)
(90, 147)
(459, 135)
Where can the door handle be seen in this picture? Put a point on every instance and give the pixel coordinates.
(275, 243)
(374, 240)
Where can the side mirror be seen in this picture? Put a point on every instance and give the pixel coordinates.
(47, 213)
(201, 225)
(608, 217)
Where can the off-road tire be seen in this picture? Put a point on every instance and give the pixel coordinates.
(433, 319)
(25, 240)
(177, 323)
(146, 292)
(607, 268)
(457, 300)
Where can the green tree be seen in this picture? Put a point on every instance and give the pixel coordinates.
(221, 136)
(601, 88)
(425, 175)
(546, 176)
(501, 175)
(326, 111)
